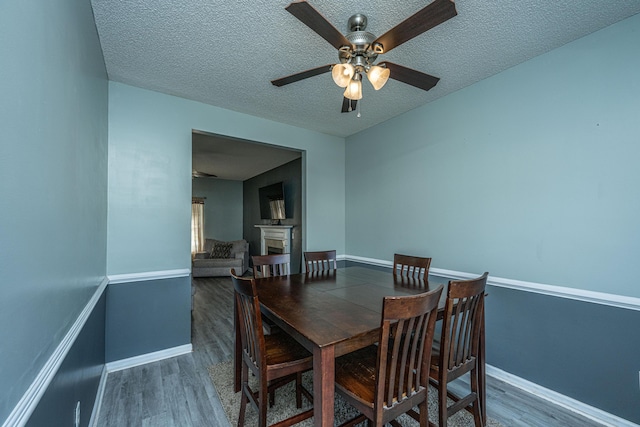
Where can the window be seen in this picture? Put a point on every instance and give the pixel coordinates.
(197, 225)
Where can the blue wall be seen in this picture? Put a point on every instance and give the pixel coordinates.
(576, 348)
(53, 181)
(147, 316)
(222, 207)
(78, 377)
(150, 189)
(150, 176)
(529, 174)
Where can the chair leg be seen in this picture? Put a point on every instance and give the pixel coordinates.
(263, 398)
(243, 408)
(299, 390)
(424, 414)
(477, 412)
(244, 373)
(442, 403)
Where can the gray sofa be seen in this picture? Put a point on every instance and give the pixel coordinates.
(203, 265)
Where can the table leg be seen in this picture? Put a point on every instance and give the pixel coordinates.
(323, 386)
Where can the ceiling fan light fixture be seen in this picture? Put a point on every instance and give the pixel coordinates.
(342, 74)
(377, 48)
(378, 76)
(354, 88)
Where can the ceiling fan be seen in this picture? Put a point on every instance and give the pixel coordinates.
(359, 49)
(198, 174)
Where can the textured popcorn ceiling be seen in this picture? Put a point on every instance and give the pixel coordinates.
(225, 53)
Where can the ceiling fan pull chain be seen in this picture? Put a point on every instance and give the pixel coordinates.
(358, 108)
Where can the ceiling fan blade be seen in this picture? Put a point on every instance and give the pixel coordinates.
(411, 77)
(346, 103)
(302, 75)
(198, 174)
(434, 14)
(314, 20)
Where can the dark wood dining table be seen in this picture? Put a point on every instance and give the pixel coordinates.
(334, 313)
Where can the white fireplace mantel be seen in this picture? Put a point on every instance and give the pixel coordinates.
(277, 237)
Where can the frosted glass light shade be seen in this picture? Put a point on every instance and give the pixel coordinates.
(342, 74)
(378, 76)
(353, 90)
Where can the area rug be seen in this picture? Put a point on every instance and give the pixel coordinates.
(285, 405)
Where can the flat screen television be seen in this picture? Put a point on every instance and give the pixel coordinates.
(272, 202)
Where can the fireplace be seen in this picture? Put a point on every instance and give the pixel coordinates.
(274, 247)
(275, 239)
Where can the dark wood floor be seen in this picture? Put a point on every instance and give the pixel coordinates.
(178, 392)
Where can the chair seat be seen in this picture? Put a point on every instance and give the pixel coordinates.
(282, 350)
(356, 374)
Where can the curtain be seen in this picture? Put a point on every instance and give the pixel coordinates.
(197, 226)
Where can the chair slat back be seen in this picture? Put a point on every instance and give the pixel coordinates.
(404, 351)
(320, 261)
(249, 321)
(411, 266)
(271, 265)
(462, 322)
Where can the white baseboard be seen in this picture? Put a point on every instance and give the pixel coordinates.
(97, 405)
(27, 404)
(143, 359)
(619, 301)
(556, 398)
(371, 261)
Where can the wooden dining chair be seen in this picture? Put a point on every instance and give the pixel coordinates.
(273, 359)
(386, 380)
(271, 265)
(456, 351)
(320, 261)
(414, 267)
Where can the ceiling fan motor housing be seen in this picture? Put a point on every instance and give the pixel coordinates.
(360, 54)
